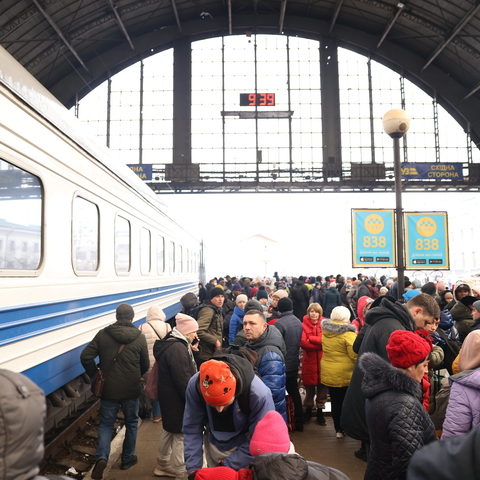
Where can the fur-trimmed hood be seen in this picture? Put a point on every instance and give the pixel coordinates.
(380, 376)
(331, 326)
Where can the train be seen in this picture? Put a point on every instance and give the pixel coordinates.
(80, 234)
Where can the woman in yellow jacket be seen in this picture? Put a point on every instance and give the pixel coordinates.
(338, 359)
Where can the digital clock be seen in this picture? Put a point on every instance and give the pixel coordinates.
(257, 99)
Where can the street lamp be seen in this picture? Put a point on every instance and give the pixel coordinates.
(396, 124)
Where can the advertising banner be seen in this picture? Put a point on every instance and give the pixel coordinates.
(373, 238)
(426, 241)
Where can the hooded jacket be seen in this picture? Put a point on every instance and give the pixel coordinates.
(210, 329)
(236, 323)
(338, 357)
(291, 466)
(331, 300)
(198, 415)
(463, 410)
(397, 421)
(382, 321)
(271, 366)
(359, 322)
(311, 344)
(175, 368)
(124, 379)
(22, 418)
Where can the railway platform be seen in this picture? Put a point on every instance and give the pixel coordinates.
(315, 443)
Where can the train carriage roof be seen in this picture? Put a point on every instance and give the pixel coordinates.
(71, 46)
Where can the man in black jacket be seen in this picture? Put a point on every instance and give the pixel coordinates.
(383, 320)
(122, 386)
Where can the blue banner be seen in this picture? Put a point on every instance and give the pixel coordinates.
(435, 171)
(426, 244)
(142, 170)
(373, 238)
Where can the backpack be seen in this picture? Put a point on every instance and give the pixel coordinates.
(144, 405)
(452, 349)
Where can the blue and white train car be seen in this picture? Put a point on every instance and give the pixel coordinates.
(79, 234)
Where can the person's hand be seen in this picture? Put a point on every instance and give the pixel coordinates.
(217, 345)
(191, 476)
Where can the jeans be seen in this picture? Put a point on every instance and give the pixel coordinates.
(156, 412)
(108, 415)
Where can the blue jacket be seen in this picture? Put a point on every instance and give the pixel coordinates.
(271, 366)
(235, 321)
(198, 415)
(291, 329)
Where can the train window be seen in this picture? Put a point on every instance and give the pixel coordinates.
(21, 198)
(179, 259)
(171, 258)
(122, 245)
(160, 254)
(145, 251)
(85, 235)
(187, 262)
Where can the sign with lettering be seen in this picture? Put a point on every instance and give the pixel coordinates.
(373, 238)
(435, 171)
(426, 241)
(142, 170)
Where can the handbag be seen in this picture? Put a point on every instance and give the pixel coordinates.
(98, 380)
(151, 387)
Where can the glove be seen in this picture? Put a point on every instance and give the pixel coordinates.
(191, 476)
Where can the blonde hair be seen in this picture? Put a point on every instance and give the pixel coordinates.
(316, 307)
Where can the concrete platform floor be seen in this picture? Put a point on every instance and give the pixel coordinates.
(315, 443)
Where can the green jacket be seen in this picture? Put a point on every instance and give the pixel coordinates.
(124, 379)
(210, 329)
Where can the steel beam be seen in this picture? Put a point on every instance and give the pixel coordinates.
(120, 23)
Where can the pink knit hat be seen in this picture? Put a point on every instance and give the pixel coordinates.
(280, 293)
(270, 435)
(186, 324)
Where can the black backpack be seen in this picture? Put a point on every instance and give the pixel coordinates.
(452, 349)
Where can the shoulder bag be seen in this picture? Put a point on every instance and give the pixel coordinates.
(98, 381)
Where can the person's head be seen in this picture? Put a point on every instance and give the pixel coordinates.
(383, 290)
(314, 312)
(188, 301)
(187, 326)
(277, 295)
(423, 309)
(429, 288)
(332, 285)
(468, 301)
(262, 297)
(217, 384)
(200, 285)
(340, 314)
(270, 435)
(213, 281)
(285, 305)
(432, 325)
(237, 289)
(254, 325)
(409, 294)
(410, 352)
(22, 419)
(124, 313)
(156, 313)
(462, 290)
(446, 296)
(217, 297)
(476, 310)
(441, 287)
(241, 301)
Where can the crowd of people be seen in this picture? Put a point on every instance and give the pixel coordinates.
(244, 349)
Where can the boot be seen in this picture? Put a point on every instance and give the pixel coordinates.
(307, 416)
(320, 418)
(164, 469)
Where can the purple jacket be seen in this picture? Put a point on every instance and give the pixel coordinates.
(463, 411)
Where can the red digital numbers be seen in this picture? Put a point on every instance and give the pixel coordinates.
(257, 99)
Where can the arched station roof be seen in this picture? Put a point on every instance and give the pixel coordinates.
(71, 46)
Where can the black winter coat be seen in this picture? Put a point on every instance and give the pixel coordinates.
(331, 300)
(175, 368)
(291, 329)
(124, 379)
(382, 321)
(300, 295)
(397, 422)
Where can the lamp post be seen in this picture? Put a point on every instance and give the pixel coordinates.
(396, 124)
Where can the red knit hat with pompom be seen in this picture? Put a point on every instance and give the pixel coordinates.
(406, 348)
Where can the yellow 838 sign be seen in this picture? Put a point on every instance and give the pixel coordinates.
(427, 241)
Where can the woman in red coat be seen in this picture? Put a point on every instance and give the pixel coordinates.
(311, 344)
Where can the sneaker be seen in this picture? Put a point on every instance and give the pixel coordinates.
(97, 472)
(164, 469)
(131, 463)
(157, 419)
(340, 434)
